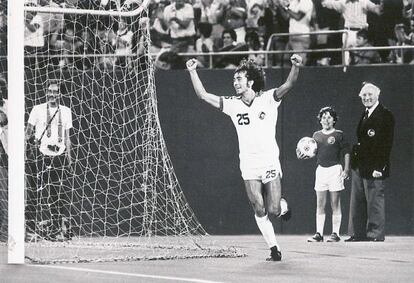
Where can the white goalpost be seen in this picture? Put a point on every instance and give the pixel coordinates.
(16, 136)
(120, 199)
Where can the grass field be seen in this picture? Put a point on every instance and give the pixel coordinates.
(389, 261)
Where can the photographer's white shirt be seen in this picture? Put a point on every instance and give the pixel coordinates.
(38, 119)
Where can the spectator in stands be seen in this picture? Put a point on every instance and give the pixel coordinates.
(275, 21)
(236, 20)
(354, 13)
(411, 34)
(140, 45)
(253, 44)
(364, 56)
(411, 38)
(71, 46)
(229, 38)
(52, 25)
(400, 56)
(325, 19)
(300, 15)
(212, 11)
(86, 47)
(105, 45)
(34, 41)
(51, 21)
(123, 43)
(179, 16)
(160, 31)
(255, 11)
(168, 59)
(407, 10)
(205, 43)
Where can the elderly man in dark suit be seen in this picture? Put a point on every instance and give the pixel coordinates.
(370, 167)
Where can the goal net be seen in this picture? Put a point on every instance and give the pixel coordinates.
(118, 198)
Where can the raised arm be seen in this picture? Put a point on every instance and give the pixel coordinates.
(336, 5)
(291, 79)
(375, 8)
(210, 98)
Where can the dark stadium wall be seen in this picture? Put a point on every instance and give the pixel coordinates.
(203, 145)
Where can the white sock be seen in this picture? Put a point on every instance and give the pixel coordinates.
(283, 207)
(266, 227)
(336, 223)
(320, 223)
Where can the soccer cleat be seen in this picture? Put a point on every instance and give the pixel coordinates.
(333, 238)
(286, 212)
(316, 238)
(275, 254)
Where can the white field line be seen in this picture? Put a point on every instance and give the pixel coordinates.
(139, 275)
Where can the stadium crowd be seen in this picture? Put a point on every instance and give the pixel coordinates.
(203, 26)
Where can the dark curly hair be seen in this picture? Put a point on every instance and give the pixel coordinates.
(330, 110)
(253, 73)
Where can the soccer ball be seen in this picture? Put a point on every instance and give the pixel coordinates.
(307, 146)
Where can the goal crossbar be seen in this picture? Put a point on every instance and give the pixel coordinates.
(73, 11)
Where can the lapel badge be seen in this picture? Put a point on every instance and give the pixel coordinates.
(371, 133)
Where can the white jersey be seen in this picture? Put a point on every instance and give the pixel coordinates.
(256, 128)
(38, 119)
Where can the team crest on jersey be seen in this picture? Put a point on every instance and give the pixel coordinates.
(262, 115)
(331, 140)
(371, 133)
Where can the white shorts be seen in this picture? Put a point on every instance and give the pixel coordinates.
(329, 179)
(265, 173)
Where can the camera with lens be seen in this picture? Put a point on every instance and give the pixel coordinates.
(53, 148)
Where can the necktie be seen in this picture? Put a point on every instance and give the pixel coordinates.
(366, 114)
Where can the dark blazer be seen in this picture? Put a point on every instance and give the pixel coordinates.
(375, 136)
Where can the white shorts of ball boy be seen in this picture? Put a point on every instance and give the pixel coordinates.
(263, 173)
(329, 178)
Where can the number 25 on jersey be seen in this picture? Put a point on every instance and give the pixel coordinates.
(243, 119)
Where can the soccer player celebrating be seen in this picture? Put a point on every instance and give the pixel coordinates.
(254, 114)
(329, 175)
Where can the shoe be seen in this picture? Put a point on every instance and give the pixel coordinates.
(333, 238)
(286, 212)
(316, 238)
(275, 254)
(355, 239)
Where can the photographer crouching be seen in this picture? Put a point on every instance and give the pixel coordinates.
(48, 135)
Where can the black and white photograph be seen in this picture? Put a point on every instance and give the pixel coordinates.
(206, 141)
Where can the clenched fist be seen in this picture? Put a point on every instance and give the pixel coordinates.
(191, 64)
(296, 60)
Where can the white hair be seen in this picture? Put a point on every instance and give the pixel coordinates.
(370, 88)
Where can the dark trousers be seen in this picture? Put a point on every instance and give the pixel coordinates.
(367, 207)
(46, 198)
